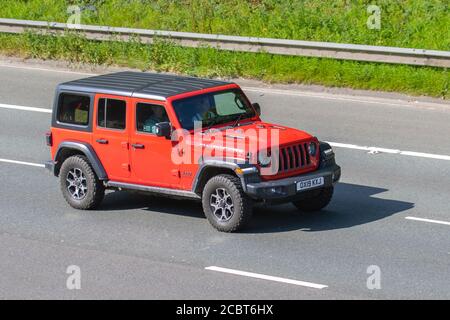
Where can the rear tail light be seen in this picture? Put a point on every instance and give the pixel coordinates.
(49, 138)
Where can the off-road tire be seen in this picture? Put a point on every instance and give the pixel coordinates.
(95, 189)
(242, 204)
(316, 202)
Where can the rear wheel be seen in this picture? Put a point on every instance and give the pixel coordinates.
(79, 184)
(319, 200)
(225, 204)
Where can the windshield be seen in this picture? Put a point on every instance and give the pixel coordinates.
(213, 108)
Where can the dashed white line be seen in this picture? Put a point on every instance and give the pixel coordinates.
(24, 108)
(428, 220)
(372, 150)
(266, 277)
(23, 163)
(375, 150)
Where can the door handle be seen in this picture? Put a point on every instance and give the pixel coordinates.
(102, 141)
(138, 146)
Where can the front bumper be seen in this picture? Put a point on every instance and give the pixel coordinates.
(285, 190)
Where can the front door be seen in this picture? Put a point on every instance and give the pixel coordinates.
(151, 156)
(111, 137)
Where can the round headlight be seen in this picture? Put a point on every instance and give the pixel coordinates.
(264, 159)
(312, 148)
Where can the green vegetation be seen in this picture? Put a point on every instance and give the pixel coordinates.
(405, 23)
(209, 62)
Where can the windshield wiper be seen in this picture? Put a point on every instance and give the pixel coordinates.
(239, 118)
(211, 123)
(215, 121)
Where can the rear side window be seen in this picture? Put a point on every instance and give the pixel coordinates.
(111, 114)
(74, 109)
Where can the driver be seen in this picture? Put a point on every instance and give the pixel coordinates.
(158, 115)
(203, 110)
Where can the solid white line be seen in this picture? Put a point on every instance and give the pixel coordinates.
(266, 277)
(339, 97)
(47, 70)
(428, 220)
(23, 163)
(375, 150)
(329, 96)
(23, 108)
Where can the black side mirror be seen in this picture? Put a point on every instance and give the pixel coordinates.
(257, 108)
(163, 129)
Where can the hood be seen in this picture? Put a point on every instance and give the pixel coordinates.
(265, 131)
(257, 135)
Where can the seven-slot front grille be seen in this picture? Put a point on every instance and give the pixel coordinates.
(294, 157)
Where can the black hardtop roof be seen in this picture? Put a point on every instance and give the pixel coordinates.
(141, 84)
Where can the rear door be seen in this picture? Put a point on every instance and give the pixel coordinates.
(110, 135)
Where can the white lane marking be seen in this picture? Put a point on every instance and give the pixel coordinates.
(266, 277)
(329, 96)
(24, 108)
(47, 70)
(339, 97)
(23, 163)
(428, 220)
(374, 150)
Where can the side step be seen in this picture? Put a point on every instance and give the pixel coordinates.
(159, 190)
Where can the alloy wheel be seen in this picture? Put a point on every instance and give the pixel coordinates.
(76, 184)
(222, 204)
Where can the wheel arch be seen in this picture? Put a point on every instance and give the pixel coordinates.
(211, 167)
(70, 148)
(207, 172)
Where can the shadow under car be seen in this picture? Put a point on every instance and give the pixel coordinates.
(351, 205)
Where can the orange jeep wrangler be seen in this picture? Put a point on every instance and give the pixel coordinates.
(182, 137)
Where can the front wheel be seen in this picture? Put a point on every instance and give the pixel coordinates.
(79, 184)
(319, 200)
(225, 204)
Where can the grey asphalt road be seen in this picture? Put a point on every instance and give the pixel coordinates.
(138, 246)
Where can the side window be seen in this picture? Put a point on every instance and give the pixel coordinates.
(148, 115)
(73, 109)
(111, 114)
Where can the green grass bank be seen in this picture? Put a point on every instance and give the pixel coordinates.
(404, 23)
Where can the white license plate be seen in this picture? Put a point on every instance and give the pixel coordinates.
(311, 183)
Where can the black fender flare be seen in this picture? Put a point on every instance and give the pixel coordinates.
(88, 151)
(247, 171)
(327, 158)
(324, 146)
